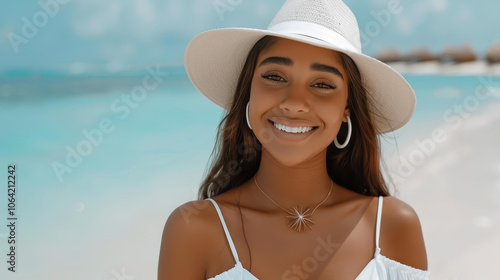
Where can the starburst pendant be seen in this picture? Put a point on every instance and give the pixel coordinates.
(299, 219)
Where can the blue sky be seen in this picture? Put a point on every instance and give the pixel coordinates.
(114, 35)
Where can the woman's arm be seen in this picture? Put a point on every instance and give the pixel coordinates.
(185, 243)
(401, 237)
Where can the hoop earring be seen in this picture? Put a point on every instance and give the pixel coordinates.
(349, 132)
(248, 120)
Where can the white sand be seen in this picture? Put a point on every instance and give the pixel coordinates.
(437, 68)
(456, 192)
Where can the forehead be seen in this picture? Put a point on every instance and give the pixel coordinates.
(300, 51)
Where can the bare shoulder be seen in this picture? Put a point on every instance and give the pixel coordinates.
(401, 237)
(186, 241)
(396, 210)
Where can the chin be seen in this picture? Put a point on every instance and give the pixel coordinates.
(290, 159)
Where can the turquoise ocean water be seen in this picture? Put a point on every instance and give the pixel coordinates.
(98, 171)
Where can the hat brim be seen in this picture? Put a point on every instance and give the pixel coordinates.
(215, 58)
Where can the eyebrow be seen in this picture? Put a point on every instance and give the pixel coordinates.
(326, 68)
(288, 62)
(277, 60)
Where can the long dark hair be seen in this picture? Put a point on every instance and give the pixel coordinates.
(236, 155)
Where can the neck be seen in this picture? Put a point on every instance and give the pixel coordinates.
(306, 184)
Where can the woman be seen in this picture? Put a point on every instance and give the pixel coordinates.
(296, 182)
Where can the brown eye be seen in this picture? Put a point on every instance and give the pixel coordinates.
(273, 78)
(324, 86)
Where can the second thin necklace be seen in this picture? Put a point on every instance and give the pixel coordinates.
(299, 218)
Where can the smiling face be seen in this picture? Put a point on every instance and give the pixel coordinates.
(298, 100)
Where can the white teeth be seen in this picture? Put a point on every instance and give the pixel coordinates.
(292, 129)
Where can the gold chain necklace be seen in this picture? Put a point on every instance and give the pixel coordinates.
(298, 218)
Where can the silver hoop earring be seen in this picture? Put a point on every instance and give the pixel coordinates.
(248, 120)
(349, 131)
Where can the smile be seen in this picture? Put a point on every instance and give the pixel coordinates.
(292, 129)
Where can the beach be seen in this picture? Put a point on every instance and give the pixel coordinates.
(104, 220)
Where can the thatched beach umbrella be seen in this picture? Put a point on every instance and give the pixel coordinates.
(459, 55)
(493, 54)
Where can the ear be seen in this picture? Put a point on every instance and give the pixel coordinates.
(347, 112)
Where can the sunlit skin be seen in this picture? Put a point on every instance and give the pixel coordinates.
(298, 85)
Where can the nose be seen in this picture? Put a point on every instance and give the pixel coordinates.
(294, 101)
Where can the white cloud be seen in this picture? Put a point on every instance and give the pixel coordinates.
(438, 5)
(145, 11)
(405, 25)
(95, 18)
(181, 18)
(263, 9)
(120, 27)
(413, 15)
(134, 19)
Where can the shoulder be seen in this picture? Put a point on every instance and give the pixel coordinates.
(401, 237)
(191, 217)
(399, 212)
(186, 241)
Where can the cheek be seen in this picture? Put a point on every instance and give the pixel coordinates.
(331, 115)
(259, 101)
(260, 95)
(257, 86)
(335, 103)
(332, 111)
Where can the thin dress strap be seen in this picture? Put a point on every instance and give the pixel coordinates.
(379, 219)
(226, 231)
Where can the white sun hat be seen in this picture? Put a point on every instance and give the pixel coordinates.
(214, 59)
